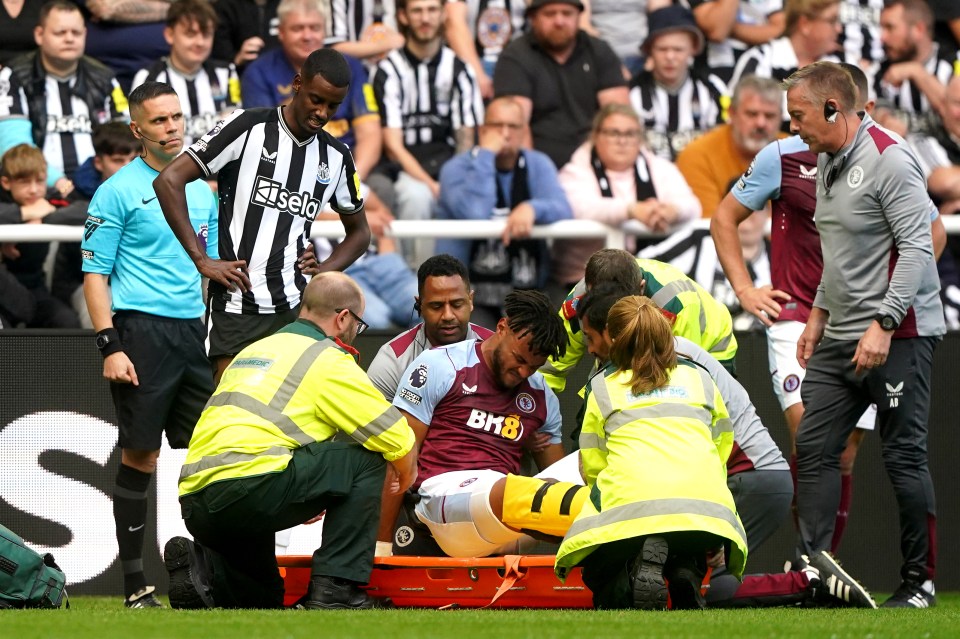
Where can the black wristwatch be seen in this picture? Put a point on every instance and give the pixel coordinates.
(108, 341)
(886, 322)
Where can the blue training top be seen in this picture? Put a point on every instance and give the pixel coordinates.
(127, 238)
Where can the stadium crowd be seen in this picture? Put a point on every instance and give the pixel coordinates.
(654, 111)
(697, 74)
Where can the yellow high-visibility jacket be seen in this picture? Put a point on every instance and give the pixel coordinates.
(695, 315)
(285, 391)
(655, 463)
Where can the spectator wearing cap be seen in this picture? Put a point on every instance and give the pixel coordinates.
(560, 76)
(676, 102)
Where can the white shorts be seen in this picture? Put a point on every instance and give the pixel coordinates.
(455, 506)
(786, 372)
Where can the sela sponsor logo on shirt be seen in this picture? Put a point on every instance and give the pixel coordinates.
(271, 194)
(418, 376)
(808, 174)
(855, 177)
(506, 426)
(525, 402)
(323, 173)
(894, 393)
(69, 124)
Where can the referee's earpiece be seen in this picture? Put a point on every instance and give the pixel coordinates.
(830, 112)
(416, 306)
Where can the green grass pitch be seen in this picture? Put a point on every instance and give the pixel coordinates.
(105, 618)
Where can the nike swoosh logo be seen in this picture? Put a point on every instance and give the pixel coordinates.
(146, 201)
(135, 528)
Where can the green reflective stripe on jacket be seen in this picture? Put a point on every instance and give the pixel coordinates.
(657, 411)
(722, 345)
(656, 508)
(267, 412)
(298, 371)
(591, 441)
(229, 458)
(671, 290)
(601, 393)
(377, 426)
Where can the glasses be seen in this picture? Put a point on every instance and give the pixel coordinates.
(621, 136)
(361, 325)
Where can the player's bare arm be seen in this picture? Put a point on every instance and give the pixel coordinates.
(170, 187)
(391, 501)
(353, 245)
(762, 302)
(548, 456)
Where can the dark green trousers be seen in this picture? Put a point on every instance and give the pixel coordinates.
(235, 520)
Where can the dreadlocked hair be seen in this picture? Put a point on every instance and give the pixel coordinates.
(530, 312)
(642, 343)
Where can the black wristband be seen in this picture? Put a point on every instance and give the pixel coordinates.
(108, 341)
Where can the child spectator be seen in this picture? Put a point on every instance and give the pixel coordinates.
(25, 198)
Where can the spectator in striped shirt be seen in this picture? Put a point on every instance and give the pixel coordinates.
(812, 29)
(430, 105)
(913, 79)
(675, 102)
(208, 89)
(364, 29)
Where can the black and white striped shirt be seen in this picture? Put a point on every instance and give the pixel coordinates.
(69, 120)
(493, 24)
(355, 20)
(206, 97)
(776, 59)
(860, 38)
(672, 120)
(907, 98)
(429, 100)
(272, 187)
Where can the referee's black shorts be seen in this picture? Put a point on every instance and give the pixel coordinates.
(230, 333)
(175, 380)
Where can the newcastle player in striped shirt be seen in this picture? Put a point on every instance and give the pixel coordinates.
(208, 89)
(277, 170)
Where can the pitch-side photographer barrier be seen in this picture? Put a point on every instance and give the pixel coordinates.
(58, 460)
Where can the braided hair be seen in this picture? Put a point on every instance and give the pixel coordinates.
(530, 312)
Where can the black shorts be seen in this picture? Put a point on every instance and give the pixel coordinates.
(175, 380)
(230, 333)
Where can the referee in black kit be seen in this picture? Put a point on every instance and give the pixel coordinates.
(277, 169)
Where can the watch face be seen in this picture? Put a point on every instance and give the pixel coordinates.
(102, 340)
(887, 323)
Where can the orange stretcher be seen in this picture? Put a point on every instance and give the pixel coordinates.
(512, 581)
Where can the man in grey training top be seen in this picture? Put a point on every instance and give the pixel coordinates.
(876, 319)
